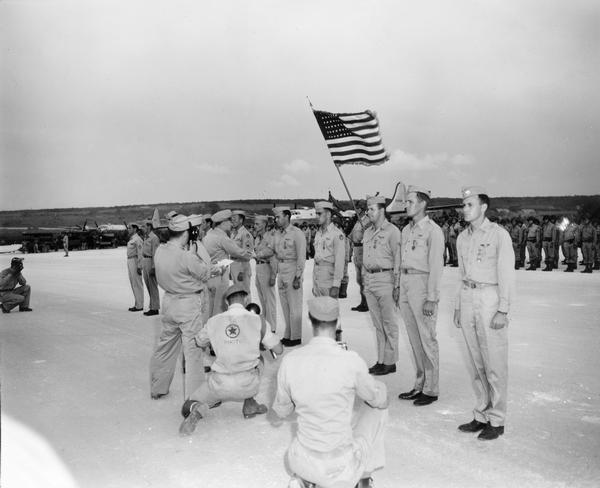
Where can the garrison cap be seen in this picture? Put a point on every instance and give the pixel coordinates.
(469, 191)
(221, 216)
(235, 288)
(280, 210)
(134, 224)
(195, 220)
(418, 189)
(16, 261)
(179, 223)
(326, 309)
(171, 214)
(261, 218)
(377, 199)
(324, 206)
(238, 212)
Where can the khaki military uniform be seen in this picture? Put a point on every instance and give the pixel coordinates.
(486, 263)
(149, 247)
(356, 237)
(533, 241)
(266, 266)
(516, 236)
(588, 243)
(12, 295)
(290, 251)
(570, 244)
(183, 276)
(333, 446)
(220, 246)
(422, 264)
(381, 267)
(549, 236)
(135, 262)
(330, 258)
(235, 336)
(240, 268)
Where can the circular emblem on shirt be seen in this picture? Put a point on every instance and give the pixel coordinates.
(232, 331)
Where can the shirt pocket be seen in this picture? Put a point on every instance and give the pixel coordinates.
(487, 255)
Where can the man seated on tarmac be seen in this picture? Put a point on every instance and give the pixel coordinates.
(332, 448)
(236, 336)
(12, 295)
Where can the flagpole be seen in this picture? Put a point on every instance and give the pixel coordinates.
(339, 172)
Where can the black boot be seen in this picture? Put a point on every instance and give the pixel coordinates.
(597, 266)
(570, 268)
(588, 268)
(343, 291)
(362, 307)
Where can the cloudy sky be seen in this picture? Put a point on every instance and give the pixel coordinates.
(120, 102)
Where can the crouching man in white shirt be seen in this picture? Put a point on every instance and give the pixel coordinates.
(334, 446)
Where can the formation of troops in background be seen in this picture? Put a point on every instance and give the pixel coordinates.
(209, 314)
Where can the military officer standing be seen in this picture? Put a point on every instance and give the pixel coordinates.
(149, 247)
(65, 243)
(266, 269)
(570, 244)
(135, 263)
(220, 246)
(588, 243)
(356, 238)
(422, 264)
(534, 237)
(290, 250)
(183, 276)
(333, 446)
(548, 244)
(240, 268)
(381, 275)
(486, 265)
(452, 235)
(330, 253)
(516, 235)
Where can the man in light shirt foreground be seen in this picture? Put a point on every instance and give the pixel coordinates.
(334, 446)
(486, 263)
(235, 335)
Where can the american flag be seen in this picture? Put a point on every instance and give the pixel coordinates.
(352, 138)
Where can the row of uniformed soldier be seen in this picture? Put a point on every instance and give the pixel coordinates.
(549, 238)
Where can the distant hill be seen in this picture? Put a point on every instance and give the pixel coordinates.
(58, 217)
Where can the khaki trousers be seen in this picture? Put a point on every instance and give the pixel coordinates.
(378, 289)
(19, 296)
(322, 279)
(217, 286)
(549, 249)
(421, 332)
(358, 264)
(137, 286)
(488, 353)
(266, 295)
(182, 319)
(151, 284)
(344, 467)
(241, 269)
(587, 249)
(227, 387)
(291, 300)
